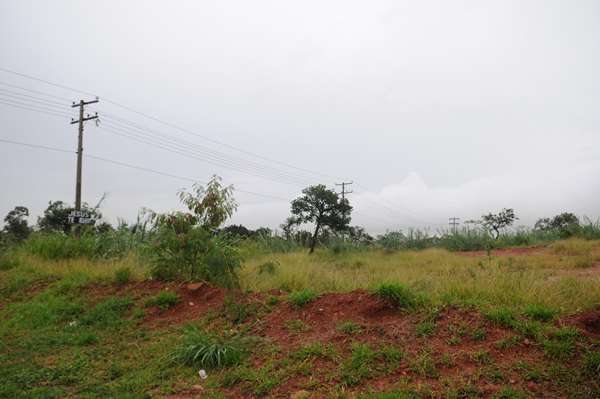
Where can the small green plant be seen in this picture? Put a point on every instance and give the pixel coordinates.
(272, 300)
(425, 328)
(560, 344)
(539, 312)
(268, 268)
(122, 275)
(424, 364)
(296, 326)
(108, 312)
(349, 327)
(479, 334)
(202, 349)
(164, 300)
(314, 350)
(454, 340)
(360, 365)
(509, 342)
(301, 298)
(508, 393)
(238, 311)
(591, 363)
(398, 295)
(501, 316)
(481, 357)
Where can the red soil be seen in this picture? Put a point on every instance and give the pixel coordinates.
(452, 344)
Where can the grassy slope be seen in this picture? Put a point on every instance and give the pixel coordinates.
(111, 352)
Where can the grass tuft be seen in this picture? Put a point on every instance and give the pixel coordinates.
(398, 295)
(302, 298)
(164, 300)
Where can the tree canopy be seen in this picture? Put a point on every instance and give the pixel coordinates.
(322, 207)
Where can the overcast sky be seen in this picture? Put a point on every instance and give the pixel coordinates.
(433, 108)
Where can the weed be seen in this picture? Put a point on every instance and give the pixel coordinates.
(199, 348)
(403, 394)
(454, 340)
(272, 300)
(397, 295)
(302, 298)
(481, 357)
(122, 275)
(479, 334)
(509, 342)
(163, 300)
(296, 326)
(528, 328)
(425, 328)
(447, 360)
(237, 311)
(349, 327)
(591, 363)
(509, 393)
(539, 312)
(360, 365)
(501, 316)
(314, 350)
(424, 364)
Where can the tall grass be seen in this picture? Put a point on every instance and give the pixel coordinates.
(547, 279)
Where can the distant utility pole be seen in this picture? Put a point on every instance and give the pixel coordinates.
(81, 104)
(344, 192)
(454, 222)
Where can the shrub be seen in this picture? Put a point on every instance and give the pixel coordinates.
(163, 300)
(302, 298)
(122, 275)
(398, 295)
(193, 253)
(201, 349)
(539, 312)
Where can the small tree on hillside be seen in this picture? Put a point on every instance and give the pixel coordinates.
(565, 223)
(496, 222)
(16, 227)
(322, 207)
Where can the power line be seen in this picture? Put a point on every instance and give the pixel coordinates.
(35, 91)
(131, 166)
(172, 125)
(31, 108)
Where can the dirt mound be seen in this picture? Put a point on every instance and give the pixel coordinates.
(195, 301)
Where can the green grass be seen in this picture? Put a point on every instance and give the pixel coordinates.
(398, 295)
(539, 312)
(302, 298)
(349, 327)
(202, 349)
(163, 300)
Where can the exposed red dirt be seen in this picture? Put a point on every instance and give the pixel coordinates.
(507, 251)
(459, 354)
(588, 322)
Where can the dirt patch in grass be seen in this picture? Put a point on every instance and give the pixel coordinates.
(588, 322)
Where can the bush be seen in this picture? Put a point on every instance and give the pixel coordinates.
(193, 254)
(163, 300)
(201, 349)
(398, 295)
(302, 298)
(122, 275)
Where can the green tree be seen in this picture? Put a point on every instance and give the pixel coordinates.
(322, 207)
(210, 206)
(16, 227)
(496, 222)
(566, 224)
(56, 216)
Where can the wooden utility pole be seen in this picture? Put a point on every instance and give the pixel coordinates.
(81, 104)
(344, 192)
(453, 222)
